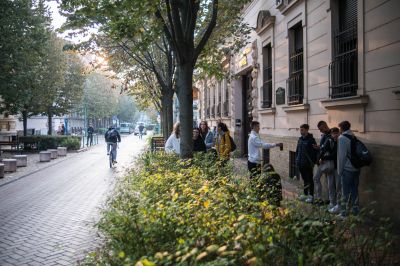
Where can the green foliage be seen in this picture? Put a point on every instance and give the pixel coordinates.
(193, 212)
(45, 142)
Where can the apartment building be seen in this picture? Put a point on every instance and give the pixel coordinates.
(312, 60)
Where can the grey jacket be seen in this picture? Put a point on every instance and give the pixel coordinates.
(344, 153)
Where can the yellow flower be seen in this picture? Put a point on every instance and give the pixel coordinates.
(206, 203)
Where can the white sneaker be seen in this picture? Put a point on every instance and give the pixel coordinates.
(334, 209)
(341, 217)
(303, 197)
(309, 199)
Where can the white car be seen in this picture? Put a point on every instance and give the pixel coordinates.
(136, 132)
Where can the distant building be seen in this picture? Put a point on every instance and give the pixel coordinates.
(308, 61)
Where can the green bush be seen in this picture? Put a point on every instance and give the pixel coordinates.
(194, 212)
(45, 142)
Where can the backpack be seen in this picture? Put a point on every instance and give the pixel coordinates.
(360, 155)
(233, 144)
(112, 135)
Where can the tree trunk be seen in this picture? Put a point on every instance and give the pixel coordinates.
(167, 114)
(184, 88)
(25, 122)
(50, 122)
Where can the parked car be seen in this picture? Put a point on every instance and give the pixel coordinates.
(126, 128)
(136, 132)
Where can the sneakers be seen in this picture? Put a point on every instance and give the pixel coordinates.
(334, 209)
(341, 217)
(309, 199)
(108, 153)
(115, 161)
(302, 197)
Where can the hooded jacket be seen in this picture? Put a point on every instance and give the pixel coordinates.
(306, 155)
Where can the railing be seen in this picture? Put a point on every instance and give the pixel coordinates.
(219, 110)
(295, 82)
(343, 70)
(226, 108)
(267, 88)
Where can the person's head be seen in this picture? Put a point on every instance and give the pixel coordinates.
(335, 133)
(111, 127)
(177, 129)
(196, 133)
(304, 129)
(344, 126)
(222, 128)
(323, 126)
(203, 127)
(255, 126)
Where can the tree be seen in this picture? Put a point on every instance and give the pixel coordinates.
(25, 31)
(186, 24)
(127, 111)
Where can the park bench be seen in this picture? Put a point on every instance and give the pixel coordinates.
(157, 143)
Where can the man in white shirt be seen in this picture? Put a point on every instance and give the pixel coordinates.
(254, 145)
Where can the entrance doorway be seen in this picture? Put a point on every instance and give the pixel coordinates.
(247, 105)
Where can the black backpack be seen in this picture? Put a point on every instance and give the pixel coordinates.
(112, 135)
(233, 144)
(360, 155)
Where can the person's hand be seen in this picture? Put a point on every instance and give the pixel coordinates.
(320, 161)
(316, 146)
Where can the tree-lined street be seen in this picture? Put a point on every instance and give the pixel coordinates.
(47, 218)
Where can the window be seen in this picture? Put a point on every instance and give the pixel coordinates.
(343, 78)
(219, 99)
(293, 171)
(267, 77)
(207, 100)
(295, 82)
(226, 103)
(213, 103)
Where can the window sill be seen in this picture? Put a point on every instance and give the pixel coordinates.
(266, 111)
(285, 8)
(296, 108)
(359, 100)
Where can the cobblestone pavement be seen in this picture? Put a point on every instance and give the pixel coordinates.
(47, 218)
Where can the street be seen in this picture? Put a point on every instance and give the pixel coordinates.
(47, 218)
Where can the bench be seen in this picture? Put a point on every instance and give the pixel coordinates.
(157, 143)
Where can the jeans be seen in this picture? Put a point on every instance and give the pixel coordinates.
(330, 175)
(112, 146)
(307, 175)
(89, 140)
(254, 169)
(350, 182)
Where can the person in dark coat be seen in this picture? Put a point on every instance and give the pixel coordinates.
(306, 156)
(198, 141)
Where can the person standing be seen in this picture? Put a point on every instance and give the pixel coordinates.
(223, 143)
(207, 135)
(89, 138)
(173, 143)
(348, 174)
(335, 133)
(141, 128)
(306, 156)
(325, 165)
(62, 129)
(198, 142)
(254, 145)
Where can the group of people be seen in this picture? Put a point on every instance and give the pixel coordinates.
(218, 141)
(332, 156)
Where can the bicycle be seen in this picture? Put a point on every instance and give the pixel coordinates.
(111, 154)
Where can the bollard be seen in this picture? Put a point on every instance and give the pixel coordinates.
(1, 170)
(62, 151)
(22, 160)
(45, 156)
(10, 165)
(54, 153)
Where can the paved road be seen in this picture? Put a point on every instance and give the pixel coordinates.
(47, 218)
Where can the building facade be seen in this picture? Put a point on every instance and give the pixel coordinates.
(312, 60)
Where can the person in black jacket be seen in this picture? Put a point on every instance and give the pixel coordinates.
(306, 156)
(198, 142)
(89, 138)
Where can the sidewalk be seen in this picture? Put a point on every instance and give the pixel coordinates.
(34, 165)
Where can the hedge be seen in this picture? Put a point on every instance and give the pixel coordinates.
(195, 212)
(45, 142)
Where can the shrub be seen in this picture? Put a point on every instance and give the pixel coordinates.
(45, 142)
(174, 212)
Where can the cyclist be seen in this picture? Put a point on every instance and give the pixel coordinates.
(112, 136)
(141, 127)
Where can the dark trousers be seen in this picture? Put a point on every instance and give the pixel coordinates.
(89, 139)
(307, 175)
(254, 169)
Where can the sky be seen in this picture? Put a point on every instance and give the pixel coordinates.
(58, 20)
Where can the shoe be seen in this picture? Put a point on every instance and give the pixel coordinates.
(302, 197)
(108, 153)
(309, 199)
(334, 209)
(341, 217)
(115, 162)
